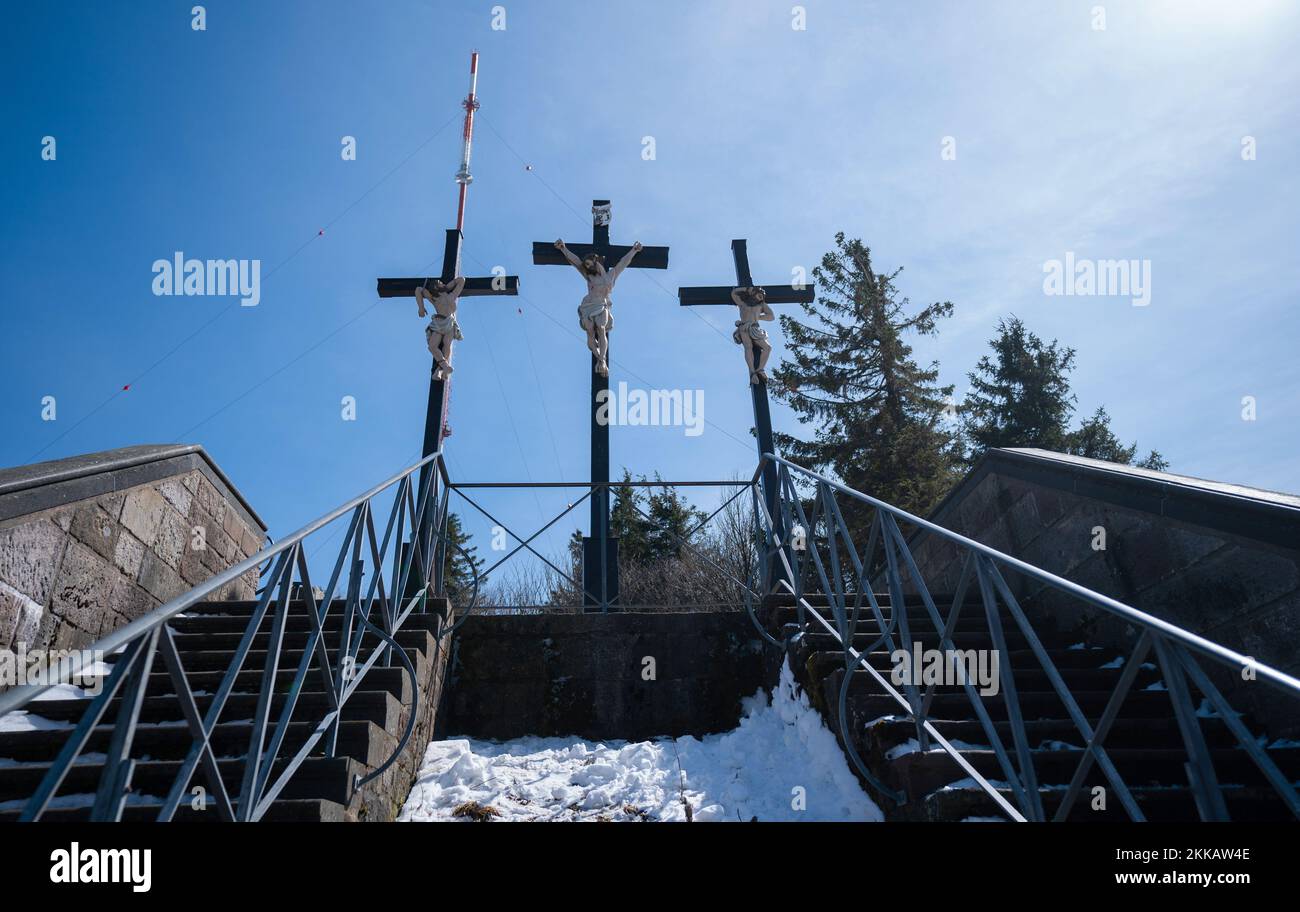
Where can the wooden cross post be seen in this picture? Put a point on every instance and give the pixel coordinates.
(776, 294)
(435, 416)
(600, 549)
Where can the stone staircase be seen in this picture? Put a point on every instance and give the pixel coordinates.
(1144, 743)
(207, 635)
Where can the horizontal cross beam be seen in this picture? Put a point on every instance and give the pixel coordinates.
(721, 294)
(474, 288)
(545, 254)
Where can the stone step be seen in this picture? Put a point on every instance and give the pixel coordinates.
(412, 637)
(358, 739)
(1027, 675)
(297, 622)
(1155, 732)
(942, 600)
(1016, 658)
(1033, 705)
(199, 659)
(391, 680)
(145, 810)
(297, 607)
(327, 778)
(379, 707)
(1015, 640)
(917, 624)
(915, 614)
(921, 773)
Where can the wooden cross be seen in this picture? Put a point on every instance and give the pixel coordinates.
(435, 416)
(600, 549)
(776, 294)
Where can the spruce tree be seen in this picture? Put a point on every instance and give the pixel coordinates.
(672, 519)
(461, 564)
(1095, 440)
(627, 523)
(878, 415)
(566, 592)
(1020, 396)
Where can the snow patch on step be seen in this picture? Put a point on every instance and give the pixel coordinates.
(20, 720)
(912, 746)
(969, 784)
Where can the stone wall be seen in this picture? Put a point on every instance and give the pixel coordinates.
(1222, 561)
(382, 798)
(90, 543)
(585, 674)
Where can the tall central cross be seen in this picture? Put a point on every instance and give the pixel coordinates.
(435, 416)
(776, 294)
(600, 549)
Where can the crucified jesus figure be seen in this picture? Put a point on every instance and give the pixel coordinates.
(443, 328)
(594, 313)
(753, 306)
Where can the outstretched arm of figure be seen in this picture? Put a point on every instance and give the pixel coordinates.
(627, 258)
(457, 286)
(420, 295)
(765, 312)
(737, 299)
(571, 257)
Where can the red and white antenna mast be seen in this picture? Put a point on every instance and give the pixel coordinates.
(470, 104)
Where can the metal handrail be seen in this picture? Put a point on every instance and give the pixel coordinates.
(17, 697)
(377, 613)
(1113, 606)
(1175, 647)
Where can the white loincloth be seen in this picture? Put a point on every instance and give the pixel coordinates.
(444, 326)
(750, 327)
(595, 311)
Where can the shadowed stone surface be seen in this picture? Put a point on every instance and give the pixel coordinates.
(586, 674)
(1220, 560)
(382, 798)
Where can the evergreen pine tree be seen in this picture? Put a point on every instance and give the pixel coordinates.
(563, 591)
(1019, 397)
(878, 415)
(671, 521)
(461, 563)
(1095, 440)
(627, 523)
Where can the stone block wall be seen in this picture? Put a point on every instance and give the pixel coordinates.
(1219, 560)
(91, 543)
(585, 674)
(382, 798)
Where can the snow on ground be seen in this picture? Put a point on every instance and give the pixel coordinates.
(780, 752)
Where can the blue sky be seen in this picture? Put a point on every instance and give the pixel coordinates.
(1115, 143)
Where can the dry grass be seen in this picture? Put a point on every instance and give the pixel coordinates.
(479, 813)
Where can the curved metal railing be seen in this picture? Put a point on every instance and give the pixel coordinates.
(413, 544)
(809, 548)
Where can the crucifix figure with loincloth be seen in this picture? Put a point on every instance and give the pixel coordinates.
(600, 549)
(595, 313)
(443, 292)
(751, 302)
(443, 328)
(753, 305)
